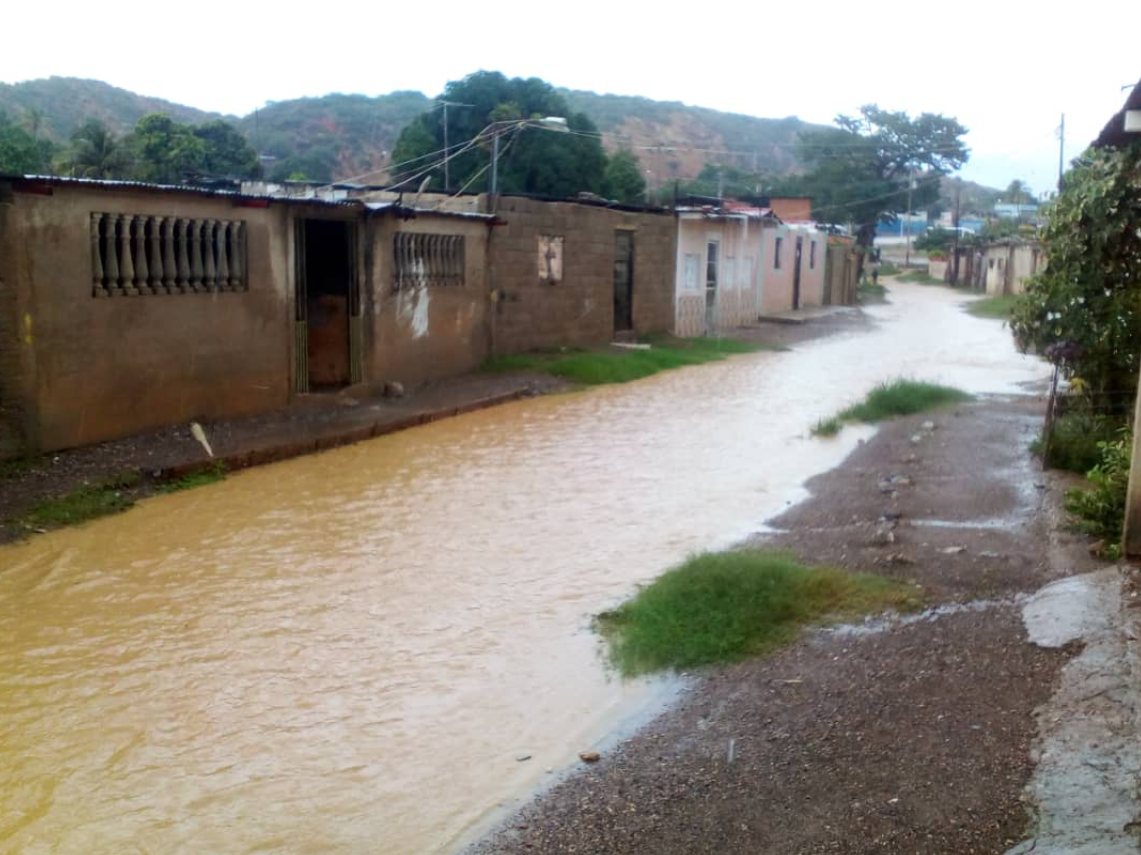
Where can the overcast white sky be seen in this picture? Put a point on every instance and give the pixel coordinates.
(1006, 70)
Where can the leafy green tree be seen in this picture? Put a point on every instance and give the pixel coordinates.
(95, 152)
(165, 151)
(20, 152)
(860, 171)
(227, 151)
(1087, 303)
(624, 180)
(721, 180)
(532, 160)
(1018, 193)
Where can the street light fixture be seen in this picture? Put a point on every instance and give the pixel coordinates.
(549, 123)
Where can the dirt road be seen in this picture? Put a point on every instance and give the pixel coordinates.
(912, 736)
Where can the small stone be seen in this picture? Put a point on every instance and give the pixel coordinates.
(589, 756)
(928, 426)
(522, 758)
(916, 439)
(953, 550)
(393, 389)
(883, 537)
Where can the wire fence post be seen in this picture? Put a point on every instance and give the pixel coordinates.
(1048, 427)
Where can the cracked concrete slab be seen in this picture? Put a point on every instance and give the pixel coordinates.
(1088, 754)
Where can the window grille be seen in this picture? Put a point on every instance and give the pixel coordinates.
(133, 255)
(426, 259)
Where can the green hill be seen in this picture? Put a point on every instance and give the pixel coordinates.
(342, 137)
(64, 103)
(675, 140)
(335, 136)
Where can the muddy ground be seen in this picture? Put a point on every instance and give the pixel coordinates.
(908, 737)
(25, 483)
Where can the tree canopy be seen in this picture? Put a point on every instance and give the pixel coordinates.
(1087, 303)
(624, 180)
(95, 152)
(861, 170)
(21, 152)
(531, 160)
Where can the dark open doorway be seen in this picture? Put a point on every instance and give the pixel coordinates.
(623, 281)
(325, 303)
(796, 274)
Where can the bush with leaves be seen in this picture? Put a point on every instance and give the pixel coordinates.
(1100, 511)
(1089, 293)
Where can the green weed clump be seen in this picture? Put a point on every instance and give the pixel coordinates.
(726, 606)
(110, 496)
(209, 475)
(886, 268)
(1100, 510)
(897, 398)
(920, 277)
(998, 308)
(870, 292)
(592, 368)
(1077, 440)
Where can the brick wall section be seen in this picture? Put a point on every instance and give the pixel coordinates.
(579, 310)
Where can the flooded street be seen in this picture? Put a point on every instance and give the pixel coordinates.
(349, 652)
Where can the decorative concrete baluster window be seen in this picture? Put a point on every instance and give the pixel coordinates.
(421, 259)
(551, 259)
(136, 255)
(776, 253)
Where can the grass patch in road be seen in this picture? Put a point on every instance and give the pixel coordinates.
(886, 268)
(897, 398)
(920, 277)
(592, 368)
(870, 292)
(97, 500)
(726, 606)
(998, 308)
(209, 475)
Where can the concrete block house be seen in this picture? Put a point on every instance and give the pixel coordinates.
(126, 307)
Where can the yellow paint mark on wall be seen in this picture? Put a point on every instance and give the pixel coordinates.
(27, 328)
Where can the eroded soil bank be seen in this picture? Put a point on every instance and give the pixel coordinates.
(908, 736)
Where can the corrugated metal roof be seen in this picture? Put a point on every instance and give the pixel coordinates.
(189, 189)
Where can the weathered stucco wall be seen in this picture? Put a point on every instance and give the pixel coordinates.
(812, 266)
(578, 308)
(99, 368)
(776, 283)
(428, 331)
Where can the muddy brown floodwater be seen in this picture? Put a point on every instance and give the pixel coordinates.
(351, 652)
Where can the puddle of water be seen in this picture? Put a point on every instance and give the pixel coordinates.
(347, 653)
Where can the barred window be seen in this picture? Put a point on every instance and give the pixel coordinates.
(134, 255)
(426, 259)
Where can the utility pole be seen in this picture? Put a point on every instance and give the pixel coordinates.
(955, 223)
(494, 170)
(910, 187)
(1061, 150)
(447, 154)
(447, 171)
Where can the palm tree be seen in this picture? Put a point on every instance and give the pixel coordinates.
(97, 153)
